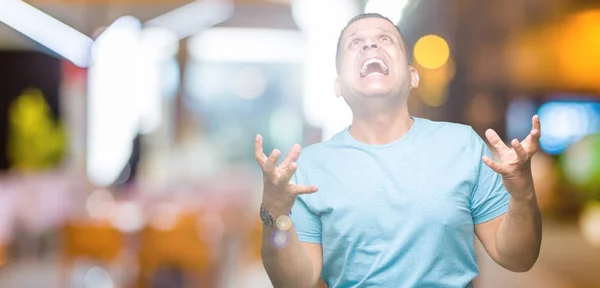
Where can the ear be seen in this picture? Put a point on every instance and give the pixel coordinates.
(336, 88)
(414, 77)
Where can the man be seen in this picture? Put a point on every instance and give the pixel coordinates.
(399, 198)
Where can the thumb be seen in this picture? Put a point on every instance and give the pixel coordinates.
(300, 190)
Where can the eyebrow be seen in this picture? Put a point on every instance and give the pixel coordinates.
(382, 30)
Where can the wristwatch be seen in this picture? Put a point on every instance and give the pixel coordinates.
(267, 218)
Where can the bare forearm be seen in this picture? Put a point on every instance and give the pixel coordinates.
(520, 235)
(288, 266)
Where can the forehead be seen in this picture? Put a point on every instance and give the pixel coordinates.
(370, 25)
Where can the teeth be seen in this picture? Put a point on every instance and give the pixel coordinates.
(370, 61)
(374, 73)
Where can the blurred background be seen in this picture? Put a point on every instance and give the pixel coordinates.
(127, 126)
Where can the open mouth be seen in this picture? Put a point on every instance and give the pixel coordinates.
(373, 67)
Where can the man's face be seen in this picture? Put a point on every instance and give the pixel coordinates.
(373, 62)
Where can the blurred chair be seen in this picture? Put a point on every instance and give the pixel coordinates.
(256, 241)
(175, 253)
(3, 256)
(95, 241)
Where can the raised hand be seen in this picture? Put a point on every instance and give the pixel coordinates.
(515, 162)
(279, 194)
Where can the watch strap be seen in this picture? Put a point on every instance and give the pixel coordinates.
(267, 217)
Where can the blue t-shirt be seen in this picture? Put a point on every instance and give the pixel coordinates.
(399, 214)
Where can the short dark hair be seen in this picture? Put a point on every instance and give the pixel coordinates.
(362, 16)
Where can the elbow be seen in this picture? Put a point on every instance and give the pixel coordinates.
(521, 261)
(522, 265)
(520, 268)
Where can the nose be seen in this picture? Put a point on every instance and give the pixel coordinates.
(369, 44)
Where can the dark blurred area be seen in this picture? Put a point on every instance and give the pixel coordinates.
(126, 127)
(22, 69)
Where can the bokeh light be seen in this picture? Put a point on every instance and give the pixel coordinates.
(98, 277)
(280, 239)
(589, 223)
(564, 55)
(431, 51)
(567, 122)
(164, 216)
(578, 50)
(434, 82)
(283, 222)
(100, 204)
(128, 217)
(581, 165)
(113, 100)
(393, 10)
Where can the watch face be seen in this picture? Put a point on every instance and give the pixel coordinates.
(266, 217)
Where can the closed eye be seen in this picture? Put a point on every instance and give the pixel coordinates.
(385, 39)
(354, 43)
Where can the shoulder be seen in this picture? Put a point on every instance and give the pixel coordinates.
(321, 150)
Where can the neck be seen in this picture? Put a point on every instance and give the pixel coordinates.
(382, 127)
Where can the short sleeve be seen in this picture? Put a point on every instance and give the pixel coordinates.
(489, 198)
(307, 223)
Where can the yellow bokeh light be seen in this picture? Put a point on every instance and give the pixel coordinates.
(283, 222)
(577, 50)
(431, 51)
(561, 55)
(589, 223)
(434, 83)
